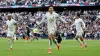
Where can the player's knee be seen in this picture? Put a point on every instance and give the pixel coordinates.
(76, 38)
(49, 38)
(9, 37)
(81, 38)
(53, 38)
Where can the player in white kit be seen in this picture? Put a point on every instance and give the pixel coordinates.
(11, 27)
(51, 18)
(80, 27)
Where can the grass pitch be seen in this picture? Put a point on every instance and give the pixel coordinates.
(40, 48)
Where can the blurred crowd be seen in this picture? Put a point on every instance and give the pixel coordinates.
(43, 2)
(90, 17)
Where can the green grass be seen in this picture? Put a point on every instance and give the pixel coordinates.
(40, 48)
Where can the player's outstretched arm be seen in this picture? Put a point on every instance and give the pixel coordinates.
(6, 27)
(83, 24)
(43, 19)
(16, 27)
(73, 25)
(62, 19)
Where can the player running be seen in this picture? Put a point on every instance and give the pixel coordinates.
(80, 27)
(31, 35)
(35, 31)
(51, 18)
(11, 27)
(59, 37)
(27, 32)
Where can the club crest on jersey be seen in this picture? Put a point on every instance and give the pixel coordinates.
(51, 19)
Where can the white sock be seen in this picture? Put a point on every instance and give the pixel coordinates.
(15, 37)
(50, 44)
(84, 43)
(9, 43)
(31, 39)
(79, 40)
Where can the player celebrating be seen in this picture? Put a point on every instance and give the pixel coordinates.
(51, 17)
(80, 27)
(11, 27)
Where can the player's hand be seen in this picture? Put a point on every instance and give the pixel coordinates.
(71, 28)
(15, 32)
(66, 23)
(74, 17)
(83, 28)
(37, 23)
(71, 25)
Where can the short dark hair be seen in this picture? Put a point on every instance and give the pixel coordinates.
(78, 14)
(51, 6)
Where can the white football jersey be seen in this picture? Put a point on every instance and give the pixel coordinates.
(10, 24)
(78, 23)
(51, 19)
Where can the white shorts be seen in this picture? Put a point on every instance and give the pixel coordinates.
(79, 33)
(10, 34)
(51, 31)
